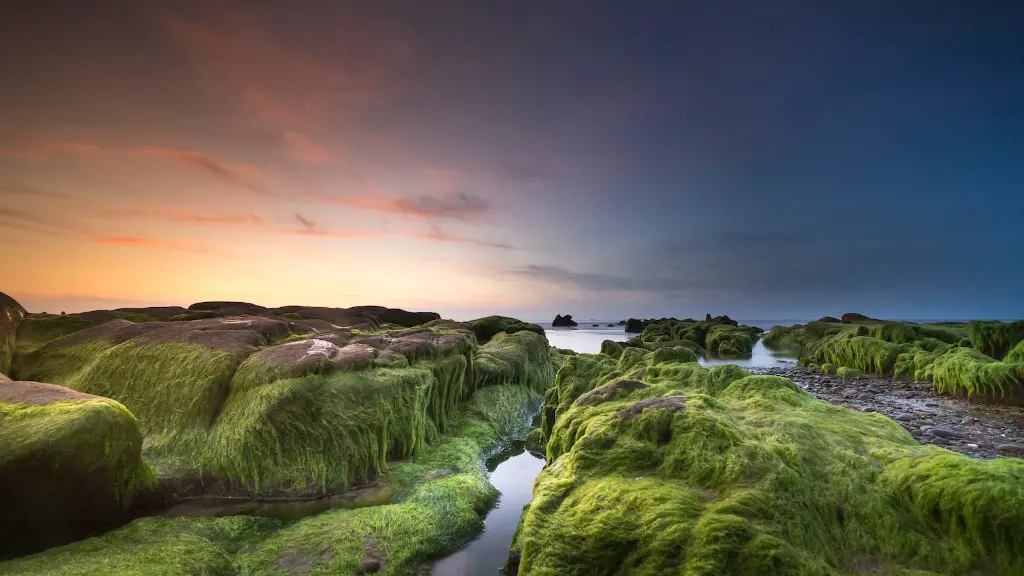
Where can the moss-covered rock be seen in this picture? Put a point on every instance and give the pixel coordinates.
(11, 315)
(716, 337)
(941, 353)
(441, 497)
(715, 471)
(995, 339)
(70, 465)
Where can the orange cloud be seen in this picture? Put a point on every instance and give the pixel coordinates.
(289, 90)
(330, 234)
(304, 149)
(149, 243)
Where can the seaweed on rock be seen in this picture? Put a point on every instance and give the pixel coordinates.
(995, 339)
(705, 473)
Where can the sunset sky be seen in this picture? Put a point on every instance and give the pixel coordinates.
(761, 159)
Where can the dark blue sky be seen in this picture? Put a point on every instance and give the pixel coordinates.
(606, 159)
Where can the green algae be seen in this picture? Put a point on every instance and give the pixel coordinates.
(487, 327)
(713, 337)
(98, 438)
(150, 547)
(67, 468)
(329, 431)
(995, 339)
(702, 473)
(441, 496)
(938, 353)
(523, 358)
(35, 331)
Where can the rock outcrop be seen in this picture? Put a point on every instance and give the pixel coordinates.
(70, 464)
(563, 321)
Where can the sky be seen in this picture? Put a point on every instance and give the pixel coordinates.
(764, 160)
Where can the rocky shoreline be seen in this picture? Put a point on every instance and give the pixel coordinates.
(976, 429)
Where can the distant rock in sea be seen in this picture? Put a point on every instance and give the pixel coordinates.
(563, 321)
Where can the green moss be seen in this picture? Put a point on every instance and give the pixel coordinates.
(150, 547)
(737, 474)
(611, 348)
(95, 438)
(845, 371)
(134, 316)
(35, 331)
(1016, 354)
(995, 339)
(328, 431)
(441, 496)
(863, 353)
(487, 327)
(711, 337)
(522, 357)
(729, 341)
(967, 371)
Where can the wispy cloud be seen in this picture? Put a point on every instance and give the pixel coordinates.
(438, 235)
(459, 206)
(515, 171)
(232, 174)
(600, 281)
(34, 222)
(18, 189)
(303, 148)
(313, 233)
(150, 243)
(181, 217)
(306, 222)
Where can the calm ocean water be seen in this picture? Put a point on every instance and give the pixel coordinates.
(587, 338)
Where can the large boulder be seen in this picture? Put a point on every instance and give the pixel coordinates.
(70, 464)
(563, 321)
(11, 315)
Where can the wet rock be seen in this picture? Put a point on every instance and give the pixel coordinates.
(865, 396)
(968, 420)
(904, 417)
(942, 432)
(937, 440)
(1012, 449)
(850, 393)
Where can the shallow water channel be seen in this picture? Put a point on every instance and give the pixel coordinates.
(512, 472)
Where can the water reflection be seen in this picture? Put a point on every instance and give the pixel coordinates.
(512, 472)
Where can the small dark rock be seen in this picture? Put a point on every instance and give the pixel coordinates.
(869, 410)
(942, 432)
(937, 440)
(865, 396)
(905, 417)
(968, 420)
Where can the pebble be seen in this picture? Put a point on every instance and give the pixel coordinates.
(942, 432)
(865, 396)
(968, 420)
(903, 417)
(850, 393)
(868, 410)
(938, 440)
(972, 445)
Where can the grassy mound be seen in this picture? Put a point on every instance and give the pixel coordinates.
(70, 465)
(718, 472)
(441, 495)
